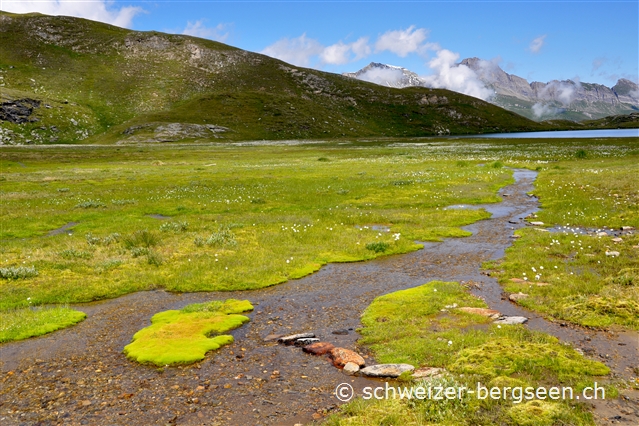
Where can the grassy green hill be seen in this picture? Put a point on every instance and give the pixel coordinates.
(70, 80)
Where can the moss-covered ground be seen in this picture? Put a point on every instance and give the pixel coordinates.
(19, 324)
(185, 336)
(420, 327)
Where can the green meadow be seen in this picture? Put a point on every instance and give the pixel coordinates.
(586, 278)
(83, 223)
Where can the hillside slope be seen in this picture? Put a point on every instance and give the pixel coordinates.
(70, 80)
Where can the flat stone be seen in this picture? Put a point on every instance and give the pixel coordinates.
(511, 320)
(424, 372)
(386, 370)
(617, 240)
(537, 223)
(602, 234)
(288, 340)
(341, 332)
(351, 368)
(517, 296)
(319, 348)
(272, 337)
(517, 280)
(490, 313)
(343, 356)
(612, 253)
(306, 341)
(627, 228)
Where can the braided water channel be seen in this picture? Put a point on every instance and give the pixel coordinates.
(80, 376)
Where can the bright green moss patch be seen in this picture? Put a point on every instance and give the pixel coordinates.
(509, 355)
(539, 413)
(21, 324)
(185, 336)
(423, 327)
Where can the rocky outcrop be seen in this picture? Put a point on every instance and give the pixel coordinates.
(170, 132)
(18, 111)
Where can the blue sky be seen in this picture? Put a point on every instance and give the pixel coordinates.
(595, 42)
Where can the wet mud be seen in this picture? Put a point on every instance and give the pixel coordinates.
(80, 376)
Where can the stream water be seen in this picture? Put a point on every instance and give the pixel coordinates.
(80, 375)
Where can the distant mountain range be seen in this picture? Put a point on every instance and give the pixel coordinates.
(566, 99)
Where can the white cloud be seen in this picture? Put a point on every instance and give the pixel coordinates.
(383, 76)
(540, 110)
(97, 10)
(199, 29)
(303, 51)
(459, 78)
(360, 48)
(297, 51)
(563, 91)
(341, 53)
(403, 42)
(336, 54)
(537, 44)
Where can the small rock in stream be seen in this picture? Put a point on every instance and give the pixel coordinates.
(289, 340)
(351, 368)
(343, 356)
(386, 370)
(490, 313)
(430, 372)
(517, 296)
(306, 341)
(319, 348)
(341, 332)
(511, 320)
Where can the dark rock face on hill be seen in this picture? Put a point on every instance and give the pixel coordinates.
(18, 111)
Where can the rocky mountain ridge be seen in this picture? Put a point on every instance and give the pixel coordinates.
(386, 75)
(552, 100)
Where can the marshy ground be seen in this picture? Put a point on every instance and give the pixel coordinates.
(80, 376)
